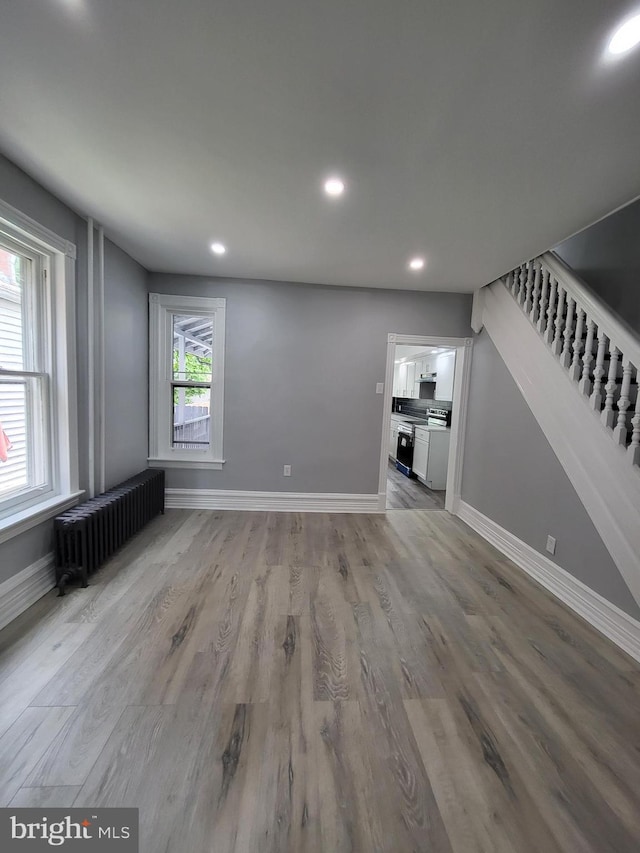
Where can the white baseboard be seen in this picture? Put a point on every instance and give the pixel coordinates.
(272, 501)
(25, 588)
(614, 623)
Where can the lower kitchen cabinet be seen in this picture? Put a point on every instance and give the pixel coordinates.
(393, 441)
(421, 454)
(393, 437)
(431, 457)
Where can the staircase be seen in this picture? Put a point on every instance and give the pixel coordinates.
(578, 368)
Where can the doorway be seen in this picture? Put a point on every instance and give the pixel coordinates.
(425, 400)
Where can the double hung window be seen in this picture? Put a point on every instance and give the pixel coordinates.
(36, 414)
(187, 380)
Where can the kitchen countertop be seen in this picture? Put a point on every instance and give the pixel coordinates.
(418, 422)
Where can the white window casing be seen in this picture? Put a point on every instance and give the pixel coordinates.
(162, 383)
(44, 449)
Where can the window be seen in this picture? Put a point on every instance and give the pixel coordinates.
(38, 473)
(186, 381)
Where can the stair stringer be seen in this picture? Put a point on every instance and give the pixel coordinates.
(598, 469)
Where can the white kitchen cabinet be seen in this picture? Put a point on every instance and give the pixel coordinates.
(445, 365)
(405, 383)
(431, 456)
(393, 435)
(393, 440)
(402, 381)
(421, 454)
(397, 387)
(411, 380)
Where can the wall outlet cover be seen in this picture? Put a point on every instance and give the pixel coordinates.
(287, 470)
(551, 544)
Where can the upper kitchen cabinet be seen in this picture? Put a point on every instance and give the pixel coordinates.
(397, 387)
(404, 380)
(445, 366)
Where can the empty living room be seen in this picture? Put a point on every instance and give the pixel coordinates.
(320, 426)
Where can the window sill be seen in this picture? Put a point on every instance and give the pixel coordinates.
(19, 522)
(209, 464)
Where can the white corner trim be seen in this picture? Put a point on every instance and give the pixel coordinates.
(25, 588)
(271, 501)
(22, 521)
(604, 616)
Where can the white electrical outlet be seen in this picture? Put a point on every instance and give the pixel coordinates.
(551, 544)
(379, 387)
(287, 471)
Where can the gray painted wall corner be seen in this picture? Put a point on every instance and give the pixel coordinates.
(512, 475)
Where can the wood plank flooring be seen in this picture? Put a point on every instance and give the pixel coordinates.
(408, 493)
(310, 682)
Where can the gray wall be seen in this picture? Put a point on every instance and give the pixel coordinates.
(301, 367)
(512, 475)
(126, 365)
(607, 257)
(125, 305)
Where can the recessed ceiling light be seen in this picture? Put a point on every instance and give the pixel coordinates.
(334, 186)
(626, 36)
(416, 263)
(218, 248)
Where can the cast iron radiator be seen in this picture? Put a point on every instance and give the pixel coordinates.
(88, 534)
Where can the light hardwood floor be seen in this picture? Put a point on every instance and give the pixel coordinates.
(409, 493)
(288, 682)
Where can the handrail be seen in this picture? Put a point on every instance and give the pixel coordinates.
(596, 310)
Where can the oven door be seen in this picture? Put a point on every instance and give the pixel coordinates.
(405, 453)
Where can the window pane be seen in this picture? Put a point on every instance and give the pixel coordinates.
(14, 457)
(191, 418)
(192, 342)
(13, 311)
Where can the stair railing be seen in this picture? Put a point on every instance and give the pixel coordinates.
(599, 353)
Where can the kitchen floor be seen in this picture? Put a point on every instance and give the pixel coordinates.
(405, 493)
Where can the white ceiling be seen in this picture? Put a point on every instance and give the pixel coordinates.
(406, 352)
(475, 133)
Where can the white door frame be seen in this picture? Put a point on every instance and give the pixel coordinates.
(461, 382)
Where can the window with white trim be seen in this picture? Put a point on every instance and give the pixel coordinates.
(38, 470)
(186, 374)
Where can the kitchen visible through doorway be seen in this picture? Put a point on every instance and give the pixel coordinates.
(420, 426)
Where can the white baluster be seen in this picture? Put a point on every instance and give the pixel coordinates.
(542, 316)
(557, 340)
(633, 451)
(522, 278)
(548, 335)
(576, 368)
(598, 372)
(608, 416)
(528, 288)
(568, 334)
(515, 279)
(534, 311)
(620, 434)
(585, 383)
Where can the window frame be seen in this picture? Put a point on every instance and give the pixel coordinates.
(162, 308)
(53, 288)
